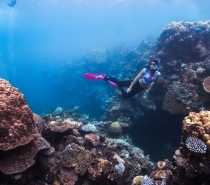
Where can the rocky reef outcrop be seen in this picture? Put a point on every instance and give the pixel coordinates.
(184, 51)
(186, 41)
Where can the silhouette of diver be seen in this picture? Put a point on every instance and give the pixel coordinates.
(12, 3)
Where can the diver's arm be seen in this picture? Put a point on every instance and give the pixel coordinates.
(135, 80)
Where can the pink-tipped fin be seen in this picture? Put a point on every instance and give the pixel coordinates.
(90, 76)
(94, 77)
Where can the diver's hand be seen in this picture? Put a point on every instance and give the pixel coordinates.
(147, 91)
(128, 90)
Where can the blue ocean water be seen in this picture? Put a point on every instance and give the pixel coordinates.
(47, 45)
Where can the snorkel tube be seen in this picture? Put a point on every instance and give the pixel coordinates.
(158, 62)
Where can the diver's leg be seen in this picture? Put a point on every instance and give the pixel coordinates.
(126, 83)
(135, 90)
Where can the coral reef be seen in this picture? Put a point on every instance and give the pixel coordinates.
(86, 151)
(184, 51)
(19, 139)
(17, 125)
(187, 41)
(181, 98)
(192, 157)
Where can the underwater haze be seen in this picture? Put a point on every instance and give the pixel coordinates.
(38, 37)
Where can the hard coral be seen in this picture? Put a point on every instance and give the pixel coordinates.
(68, 177)
(137, 180)
(101, 168)
(161, 165)
(18, 135)
(94, 139)
(19, 159)
(181, 98)
(80, 160)
(17, 125)
(206, 84)
(184, 39)
(39, 122)
(23, 157)
(115, 127)
(61, 127)
(196, 125)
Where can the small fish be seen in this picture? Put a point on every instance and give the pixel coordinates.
(12, 3)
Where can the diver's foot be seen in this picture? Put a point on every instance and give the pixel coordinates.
(112, 83)
(102, 77)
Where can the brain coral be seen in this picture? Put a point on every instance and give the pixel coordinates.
(115, 127)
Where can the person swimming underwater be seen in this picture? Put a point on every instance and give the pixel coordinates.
(145, 80)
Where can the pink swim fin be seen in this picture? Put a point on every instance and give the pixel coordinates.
(94, 77)
(90, 76)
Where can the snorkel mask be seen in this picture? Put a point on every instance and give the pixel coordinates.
(154, 64)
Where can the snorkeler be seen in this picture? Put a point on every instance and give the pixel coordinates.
(144, 80)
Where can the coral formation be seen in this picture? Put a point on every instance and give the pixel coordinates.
(80, 160)
(93, 139)
(137, 180)
(206, 84)
(184, 50)
(58, 111)
(39, 122)
(192, 153)
(59, 126)
(67, 177)
(185, 40)
(89, 128)
(115, 127)
(19, 138)
(17, 125)
(120, 168)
